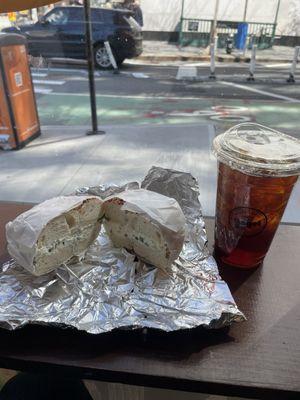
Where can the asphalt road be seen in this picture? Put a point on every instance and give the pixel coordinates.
(161, 80)
(142, 94)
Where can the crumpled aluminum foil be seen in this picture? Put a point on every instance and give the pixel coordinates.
(111, 289)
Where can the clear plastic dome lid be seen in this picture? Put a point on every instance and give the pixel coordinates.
(257, 150)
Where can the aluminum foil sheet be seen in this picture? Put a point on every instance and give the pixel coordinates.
(111, 289)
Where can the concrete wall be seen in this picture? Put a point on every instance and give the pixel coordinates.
(164, 15)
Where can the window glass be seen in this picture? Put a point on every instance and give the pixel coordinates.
(185, 75)
(59, 16)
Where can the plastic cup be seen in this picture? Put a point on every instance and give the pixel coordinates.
(258, 168)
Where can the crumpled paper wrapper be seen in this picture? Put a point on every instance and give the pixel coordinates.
(23, 232)
(163, 212)
(111, 289)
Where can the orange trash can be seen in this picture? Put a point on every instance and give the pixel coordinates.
(19, 121)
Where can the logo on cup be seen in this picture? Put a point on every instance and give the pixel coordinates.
(249, 221)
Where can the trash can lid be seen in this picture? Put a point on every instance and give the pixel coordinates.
(10, 39)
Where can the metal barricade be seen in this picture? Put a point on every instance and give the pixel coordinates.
(196, 32)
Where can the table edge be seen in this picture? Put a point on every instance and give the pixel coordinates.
(154, 381)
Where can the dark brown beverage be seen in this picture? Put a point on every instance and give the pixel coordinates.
(248, 212)
(258, 168)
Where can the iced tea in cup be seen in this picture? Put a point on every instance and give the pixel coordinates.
(258, 168)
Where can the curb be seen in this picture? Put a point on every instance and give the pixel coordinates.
(233, 59)
(177, 57)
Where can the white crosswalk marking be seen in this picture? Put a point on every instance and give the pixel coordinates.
(39, 74)
(59, 70)
(48, 82)
(42, 90)
(41, 86)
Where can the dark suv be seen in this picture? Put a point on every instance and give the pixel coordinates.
(61, 33)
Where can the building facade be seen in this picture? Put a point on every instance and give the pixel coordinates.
(164, 15)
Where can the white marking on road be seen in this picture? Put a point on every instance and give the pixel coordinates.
(41, 90)
(231, 118)
(52, 69)
(276, 65)
(39, 74)
(200, 64)
(140, 75)
(48, 82)
(114, 96)
(229, 109)
(263, 92)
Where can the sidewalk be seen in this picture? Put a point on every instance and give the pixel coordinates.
(157, 51)
(64, 159)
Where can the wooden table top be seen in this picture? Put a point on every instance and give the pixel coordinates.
(259, 358)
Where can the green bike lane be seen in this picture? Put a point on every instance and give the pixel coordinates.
(74, 109)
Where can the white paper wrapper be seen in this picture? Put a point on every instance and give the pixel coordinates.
(23, 232)
(161, 211)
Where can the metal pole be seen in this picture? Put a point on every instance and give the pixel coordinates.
(244, 20)
(252, 64)
(213, 51)
(277, 12)
(91, 67)
(291, 78)
(245, 11)
(276, 18)
(181, 22)
(214, 24)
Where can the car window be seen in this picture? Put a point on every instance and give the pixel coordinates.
(76, 14)
(58, 16)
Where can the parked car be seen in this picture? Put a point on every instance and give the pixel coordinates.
(61, 33)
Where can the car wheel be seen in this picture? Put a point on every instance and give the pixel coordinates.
(102, 59)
